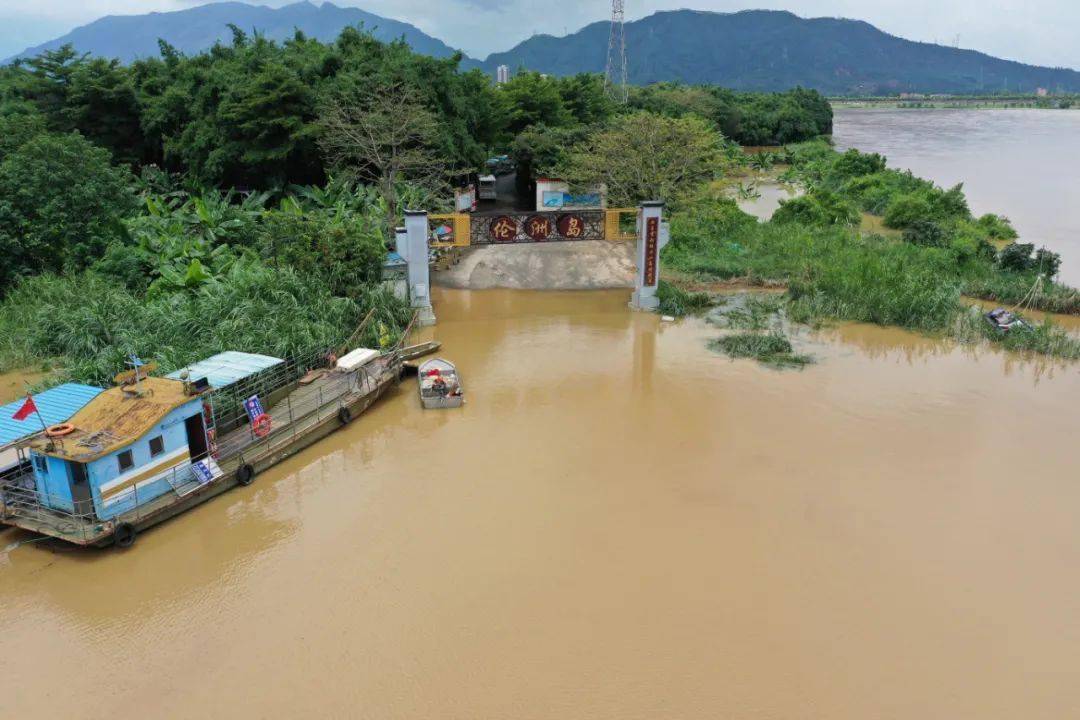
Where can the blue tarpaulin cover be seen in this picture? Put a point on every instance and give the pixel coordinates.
(226, 368)
(55, 405)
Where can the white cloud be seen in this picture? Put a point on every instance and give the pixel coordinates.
(1036, 31)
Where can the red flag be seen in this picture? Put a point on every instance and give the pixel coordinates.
(27, 408)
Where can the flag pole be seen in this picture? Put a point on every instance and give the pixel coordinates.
(44, 427)
(30, 397)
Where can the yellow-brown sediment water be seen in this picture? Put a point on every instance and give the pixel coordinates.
(619, 524)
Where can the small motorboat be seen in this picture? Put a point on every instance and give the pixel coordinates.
(1005, 321)
(414, 351)
(440, 386)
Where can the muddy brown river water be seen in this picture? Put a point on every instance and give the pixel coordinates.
(619, 524)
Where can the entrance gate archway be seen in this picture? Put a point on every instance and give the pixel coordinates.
(423, 232)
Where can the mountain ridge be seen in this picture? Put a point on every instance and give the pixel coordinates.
(764, 50)
(130, 37)
(776, 49)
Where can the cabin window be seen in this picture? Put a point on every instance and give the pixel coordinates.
(125, 461)
(41, 464)
(157, 446)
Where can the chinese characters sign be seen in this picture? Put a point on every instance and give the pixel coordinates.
(571, 227)
(503, 229)
(652, 240)
(538, 227)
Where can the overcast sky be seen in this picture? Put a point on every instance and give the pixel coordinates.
(1043, 32)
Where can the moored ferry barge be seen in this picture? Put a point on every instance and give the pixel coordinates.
(151, 448)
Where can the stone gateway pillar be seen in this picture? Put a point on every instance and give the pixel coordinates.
(653, 234)
(416, 255)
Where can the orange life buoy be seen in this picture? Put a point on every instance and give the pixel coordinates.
(262, 425)
(60, 430)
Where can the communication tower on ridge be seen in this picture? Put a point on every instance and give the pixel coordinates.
(615, 75)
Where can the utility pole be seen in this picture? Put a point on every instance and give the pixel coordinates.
(615, 74)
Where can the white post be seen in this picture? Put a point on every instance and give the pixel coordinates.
(416, 231)
(401, 242)
(652, 236)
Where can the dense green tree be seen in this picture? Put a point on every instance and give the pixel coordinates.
(61, 204)
(534, 100)
(347, 255)
(102, 105)
(642, 156)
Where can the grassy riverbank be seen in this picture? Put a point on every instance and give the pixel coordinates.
(832, 269)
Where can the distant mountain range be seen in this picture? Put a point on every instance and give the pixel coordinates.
(130, 37)
(749, 50)
(775, 50)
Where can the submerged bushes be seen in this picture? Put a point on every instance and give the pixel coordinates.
(769, 348)
(888, 284)
(677, 302)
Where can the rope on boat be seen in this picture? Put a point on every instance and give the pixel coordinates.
(1029, 298)
(344, 347)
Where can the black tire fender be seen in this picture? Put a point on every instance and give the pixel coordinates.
(124, 535)
(344, 414)
(245, 475)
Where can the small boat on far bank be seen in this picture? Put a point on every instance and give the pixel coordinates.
(1005, 321)
(440, 385)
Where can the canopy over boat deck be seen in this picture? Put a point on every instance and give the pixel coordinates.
(55, 405)
(227, 368)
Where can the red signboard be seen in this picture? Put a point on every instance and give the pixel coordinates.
(539, 227)
(652, 239)
(504, 229)
(571, 226)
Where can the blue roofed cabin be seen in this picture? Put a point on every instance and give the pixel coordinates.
(53, 406)
(126, 447)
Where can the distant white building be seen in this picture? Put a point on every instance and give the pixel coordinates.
(1042, 92)
(502, 74)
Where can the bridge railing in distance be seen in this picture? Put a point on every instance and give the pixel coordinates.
(620, 224)
(460, 230)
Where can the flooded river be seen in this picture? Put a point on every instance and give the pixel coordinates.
(1024, 164)
(619, 524)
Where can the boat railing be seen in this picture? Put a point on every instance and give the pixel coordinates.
(295, 415)
(20, 499)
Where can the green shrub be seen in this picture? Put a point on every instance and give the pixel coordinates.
(678, 302)
(905, 210)
(997, 227)
(61, 204)
(770, 348)
(853, 163)
(1047, 263)
(820, 207)
(255, 309)
(894, 284)
(348, 255)
(926, 233)
(1017, 257)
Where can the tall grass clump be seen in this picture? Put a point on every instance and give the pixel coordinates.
(751, 312)
(767, 348)
(89, 325)
(678, 302)
(888, 285)
(1044, 338)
